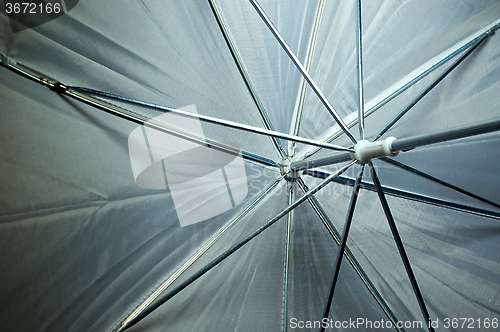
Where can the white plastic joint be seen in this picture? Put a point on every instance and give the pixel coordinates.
(365, 151)
(285, 170)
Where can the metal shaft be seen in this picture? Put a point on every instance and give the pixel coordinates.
(322, 161)
(405, 144)
(409, 84)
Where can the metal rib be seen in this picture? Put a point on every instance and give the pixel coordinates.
(302, 70)
(441, 182)
(230, 251)
(287, 260)
(213, 120)
(432, 85)
(126, 114)
(160, 126)
(303, 89)
(207, 245)
(244, 74)
(349, 255)
(75, 93)
(411, 196)
(401, 249)
(406, 86)
(361, 110)
(343, 241)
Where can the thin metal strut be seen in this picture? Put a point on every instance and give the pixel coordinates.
(123, 113)
(287, 259)
(209, 119)
(436, 180)
(160, 126)
(231, 250)
(341, 249)
(302, 70)
(81, 94)
(303, 88)
(401, 249)
(359, 49)
(164, 127)
(410, 196)
(350, 256)
(432, 85)
(204, 248)
(244, 74)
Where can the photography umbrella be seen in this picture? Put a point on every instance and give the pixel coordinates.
(93, 215)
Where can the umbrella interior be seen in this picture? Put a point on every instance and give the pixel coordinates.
(84, 246)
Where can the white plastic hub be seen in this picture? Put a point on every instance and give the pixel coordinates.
(285, 170)
(365, 151)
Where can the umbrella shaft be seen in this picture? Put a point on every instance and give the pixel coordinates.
(405, 144)
(446, 135)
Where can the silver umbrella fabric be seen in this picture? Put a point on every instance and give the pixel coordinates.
(86, 248)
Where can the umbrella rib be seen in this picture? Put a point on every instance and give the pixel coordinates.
(208, 142)
(120, 112)
(231, 250)
(433, 84)
(359, 49)
(411, 196)
(73, 92)
(405, 87)
(401, 249)
(192, 137)
(302, 70)
(287, 260)
(80, 94)
(246, 77)
(303, 89)
(341, 249)
(350, 256)
(204, 248)
(441, 182)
